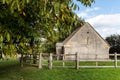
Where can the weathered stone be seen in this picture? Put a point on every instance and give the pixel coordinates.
(85, 41)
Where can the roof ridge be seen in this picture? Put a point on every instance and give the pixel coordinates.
(99, 34)
(76, 30)
(72, 34)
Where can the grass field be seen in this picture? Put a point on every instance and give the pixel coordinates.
(11, 70)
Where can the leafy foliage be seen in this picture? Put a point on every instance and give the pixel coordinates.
(30, 26)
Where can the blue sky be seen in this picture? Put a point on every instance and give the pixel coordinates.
(103, 15)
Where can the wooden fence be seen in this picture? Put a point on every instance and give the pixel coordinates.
(50, 60)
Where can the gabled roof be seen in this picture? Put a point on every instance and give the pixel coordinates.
(74, 32)
(71, 35)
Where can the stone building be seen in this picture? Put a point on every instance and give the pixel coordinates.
(85, 41)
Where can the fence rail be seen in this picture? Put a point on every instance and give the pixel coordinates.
(51, 61)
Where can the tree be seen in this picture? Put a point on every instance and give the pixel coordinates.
(114, 41)
(25, 23)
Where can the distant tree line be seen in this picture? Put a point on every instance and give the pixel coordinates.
(114, 41)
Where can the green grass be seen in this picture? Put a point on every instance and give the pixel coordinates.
(10, 70)
(86, 63)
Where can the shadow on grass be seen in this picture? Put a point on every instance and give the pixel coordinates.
(7, 65)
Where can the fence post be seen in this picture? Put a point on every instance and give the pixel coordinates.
(115, 60)
(21, 60)
(50, 61)
(40, 61)
(96, 59)
(63, 63)
(77, 60)
(58, 57)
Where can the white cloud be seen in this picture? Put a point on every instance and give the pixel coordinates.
(83, 14)
(105, 32)
(87, 12)
(92, 9)
(106, 24)
(109, 20)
